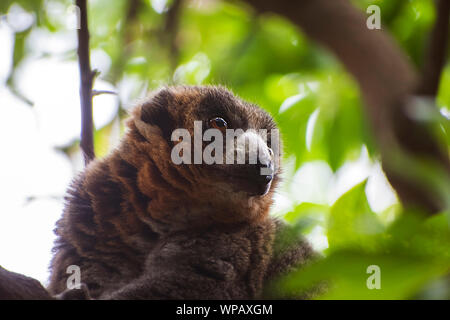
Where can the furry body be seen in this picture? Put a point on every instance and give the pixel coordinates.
(141, 227)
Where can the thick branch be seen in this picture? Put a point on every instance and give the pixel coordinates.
(86, 77)
(14, 286)
(386, 80)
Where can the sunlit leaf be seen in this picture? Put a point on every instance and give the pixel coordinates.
(352, 223)
(307, 210)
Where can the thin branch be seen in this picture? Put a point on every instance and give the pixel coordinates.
(86, 77)
(437, 50)
(99, 92)
(32, 198)
(170, 30)
(126, 37)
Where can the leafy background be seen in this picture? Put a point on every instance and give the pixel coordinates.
(334, 190)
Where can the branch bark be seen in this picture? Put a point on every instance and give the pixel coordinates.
(15, 286)
(386, 80)
(437, 50)
(86, 81)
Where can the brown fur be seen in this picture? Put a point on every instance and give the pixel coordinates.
(139, 226)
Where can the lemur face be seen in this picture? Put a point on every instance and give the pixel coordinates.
(247, 153)
(223, 146)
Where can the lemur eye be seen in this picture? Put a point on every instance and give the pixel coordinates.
(218, 123)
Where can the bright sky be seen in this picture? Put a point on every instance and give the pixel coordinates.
(34, 175)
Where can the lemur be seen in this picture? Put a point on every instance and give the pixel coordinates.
(140, 226)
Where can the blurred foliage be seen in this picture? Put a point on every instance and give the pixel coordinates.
(267, 60)
(410, 254)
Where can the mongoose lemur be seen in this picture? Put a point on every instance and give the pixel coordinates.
(140, 226)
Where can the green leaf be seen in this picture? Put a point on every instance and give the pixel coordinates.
(341, 128)
(345, 275)
(428, 238)
(352, 223)
(307, 210)
(411, 254)
(293, 120)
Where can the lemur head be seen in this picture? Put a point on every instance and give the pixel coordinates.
(206, 155)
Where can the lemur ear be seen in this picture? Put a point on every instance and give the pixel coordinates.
(156, 112)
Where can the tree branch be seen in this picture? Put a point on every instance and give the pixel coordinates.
(100, 92)
(86, 77)
(15, 286)
(386, 81)
(126, 37)
(170, 29)
(437, 49)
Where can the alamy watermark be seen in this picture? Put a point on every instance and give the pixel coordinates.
(374, 280)
(74, 280)
(241, 147)
(374, 20)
